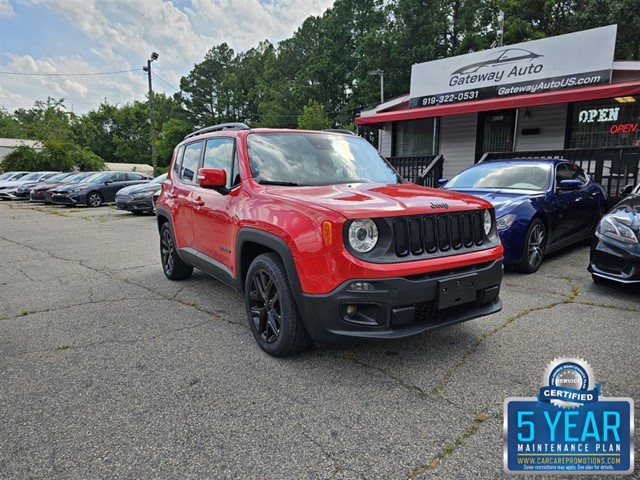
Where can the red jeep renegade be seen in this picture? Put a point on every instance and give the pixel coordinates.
(324, 238)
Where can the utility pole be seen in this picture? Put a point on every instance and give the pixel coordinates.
(154, 156)
(500, 31)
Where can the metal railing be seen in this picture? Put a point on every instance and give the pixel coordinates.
(612, 167)
(425, 170)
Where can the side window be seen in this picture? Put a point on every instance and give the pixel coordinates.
(135, 176)
(579, 174)
(563, 173)
(118, 177)
(190, 162)
(178, 161)
(219, 153)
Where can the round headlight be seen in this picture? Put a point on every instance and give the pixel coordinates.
(487, 222)
(363, 235)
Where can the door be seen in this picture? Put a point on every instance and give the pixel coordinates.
(495, 132)
(182, 194)
(575, 207)
(117, 181)
(213, 210)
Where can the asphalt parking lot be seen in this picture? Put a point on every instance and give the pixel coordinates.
(109, 370)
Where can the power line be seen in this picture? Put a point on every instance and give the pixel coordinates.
(68, 74)
(163, 80)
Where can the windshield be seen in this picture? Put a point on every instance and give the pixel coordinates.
(58, 177)
(32, 176)
(306, 158)
(503, 176)
(5, 175)
(79, 177)
(159, 178)
(99, 177)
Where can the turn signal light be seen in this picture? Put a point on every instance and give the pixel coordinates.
(327, 233)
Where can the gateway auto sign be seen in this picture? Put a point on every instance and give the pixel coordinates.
(567, 61)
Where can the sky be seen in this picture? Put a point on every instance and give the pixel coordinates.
(68, 48)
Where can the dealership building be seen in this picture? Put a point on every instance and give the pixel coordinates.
(562, 96)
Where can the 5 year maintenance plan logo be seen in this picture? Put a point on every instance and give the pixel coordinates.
(569, 427)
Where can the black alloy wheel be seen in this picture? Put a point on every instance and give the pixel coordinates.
(172, 265)
(271, 308)
(534, 246)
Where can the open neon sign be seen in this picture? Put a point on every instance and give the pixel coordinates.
(623, 128)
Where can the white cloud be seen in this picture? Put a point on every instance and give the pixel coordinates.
(6, 10)
(122, 35)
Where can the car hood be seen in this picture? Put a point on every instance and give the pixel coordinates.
(142, 187)
(503, 200)
(374, 200)
(11, 183)
(632, 201)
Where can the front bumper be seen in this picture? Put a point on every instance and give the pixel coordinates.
(65, 199)
(126, 202)
(8, 195)
(614, 260)
(403, 306)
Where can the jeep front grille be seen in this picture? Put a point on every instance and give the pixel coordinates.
(444, 232)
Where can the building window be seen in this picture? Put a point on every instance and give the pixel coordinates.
(606, 123)
(415, 138)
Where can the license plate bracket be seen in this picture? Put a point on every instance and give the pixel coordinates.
(456, 291)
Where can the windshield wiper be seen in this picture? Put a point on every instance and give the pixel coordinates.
(280, 183)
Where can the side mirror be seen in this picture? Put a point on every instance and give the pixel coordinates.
(442, 182)
(626, 190)
(212, 178)
(569, 185)
(107, 182)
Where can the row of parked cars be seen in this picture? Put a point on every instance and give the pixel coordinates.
(130, 191)
(541, 205)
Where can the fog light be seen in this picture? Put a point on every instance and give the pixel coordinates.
(352, 310)
(361, 286)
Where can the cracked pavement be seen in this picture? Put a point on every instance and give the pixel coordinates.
(109, 370)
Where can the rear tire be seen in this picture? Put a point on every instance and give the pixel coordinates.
(271, 308)
(534, 246)
(172, 265)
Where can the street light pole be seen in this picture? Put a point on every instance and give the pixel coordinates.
(154, 156)
(500, 31)
(380, 73)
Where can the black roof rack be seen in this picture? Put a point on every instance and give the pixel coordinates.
(217, 128)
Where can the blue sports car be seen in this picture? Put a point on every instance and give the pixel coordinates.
(541, 205)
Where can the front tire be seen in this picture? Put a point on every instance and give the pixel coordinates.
(172, 265)
(94, 199)
(534, 246)
(271, 308)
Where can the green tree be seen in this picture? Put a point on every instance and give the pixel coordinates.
(22, 158)
(313, 117)
(202, 92)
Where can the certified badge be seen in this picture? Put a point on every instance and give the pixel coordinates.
(569, 383)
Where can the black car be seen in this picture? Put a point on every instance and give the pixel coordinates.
(98, 189)
(615, 250)
(139, 198)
